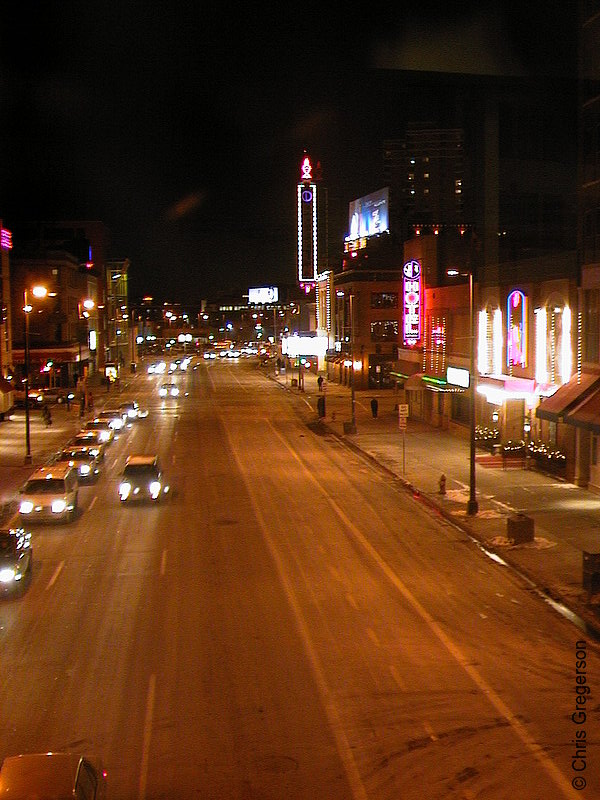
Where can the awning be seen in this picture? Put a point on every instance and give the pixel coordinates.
(567, 396)
(586, 414)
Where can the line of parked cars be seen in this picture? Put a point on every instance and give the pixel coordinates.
(50, 494)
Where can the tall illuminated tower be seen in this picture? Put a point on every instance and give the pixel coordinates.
(307, 224)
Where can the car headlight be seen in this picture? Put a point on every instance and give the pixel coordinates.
(104, 436)
(7, 575)
(116, 423)
(26, 507)
(58, 506)
(124, 490)
(84, 469)
(95, 452)
(154, 489)
(163, 392)
(175, 391)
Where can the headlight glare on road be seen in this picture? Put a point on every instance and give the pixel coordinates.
(8, 575)
(124, 490)
(26, 507)
(58, 506)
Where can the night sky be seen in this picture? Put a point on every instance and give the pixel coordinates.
(182, 128)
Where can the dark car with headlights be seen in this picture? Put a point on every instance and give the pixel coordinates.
(84, 458)
(141, 480)
(16, 559)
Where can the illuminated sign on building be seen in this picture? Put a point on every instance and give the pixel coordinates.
(306, 171)
(295, 346)
(307, 225)
(369, 216)
(516, 334)
(412, 302)
(266, 294)
(5, 239)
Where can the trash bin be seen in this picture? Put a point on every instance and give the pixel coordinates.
(132, 366)
(591, 572)
(294, 382)
(520, 528)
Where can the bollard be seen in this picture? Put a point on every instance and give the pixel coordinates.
(442, 483)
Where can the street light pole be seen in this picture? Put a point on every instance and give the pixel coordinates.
(353, 396)
(26, 312)
(37, 291)
(472, 505)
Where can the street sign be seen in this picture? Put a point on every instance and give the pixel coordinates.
(402, 423)
(403, 409)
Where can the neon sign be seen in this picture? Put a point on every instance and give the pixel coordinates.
(306, 170)
(516, 321)
(412, 302)
(5, 239)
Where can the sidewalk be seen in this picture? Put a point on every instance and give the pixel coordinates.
(566, 518)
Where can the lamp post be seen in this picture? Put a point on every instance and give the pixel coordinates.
(352, 392)
(39, 292)
(472, 504)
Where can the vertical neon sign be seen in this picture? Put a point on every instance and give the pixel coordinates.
(307, 224)
(516, 337)
(412, 302)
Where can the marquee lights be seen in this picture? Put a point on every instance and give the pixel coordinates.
(516, 321)
(412, 302)
(307, 224)
(5, 239)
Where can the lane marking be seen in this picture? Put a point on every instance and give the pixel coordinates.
(344, 750)
(373, 637)
(396, 676)
(352, 601)
(486, 689)
(93, 503)
(429, 730)
(57, 572)
(163, 562)
(146, 739)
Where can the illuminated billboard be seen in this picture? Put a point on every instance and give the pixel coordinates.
(295, 346)
(369, 215)
(266, 294)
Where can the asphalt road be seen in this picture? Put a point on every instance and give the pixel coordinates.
(287, 624)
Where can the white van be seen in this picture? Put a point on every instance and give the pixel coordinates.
(50, 494)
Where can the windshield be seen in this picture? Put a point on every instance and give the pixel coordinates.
(76, 455)
(137, 470)
(45, 486)
(8, 544)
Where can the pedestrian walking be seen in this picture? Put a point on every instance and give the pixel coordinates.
(320, 382)
(374, 407)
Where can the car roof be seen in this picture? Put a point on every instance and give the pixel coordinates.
(44, 776)
(59, 470)
(141, 460)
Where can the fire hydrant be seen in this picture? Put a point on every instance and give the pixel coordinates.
(442, 484)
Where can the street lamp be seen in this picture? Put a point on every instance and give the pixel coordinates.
(472, 505)
(38, 292)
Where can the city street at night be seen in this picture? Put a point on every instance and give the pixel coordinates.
(287, 622)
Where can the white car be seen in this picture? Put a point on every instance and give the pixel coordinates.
(169, 390)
